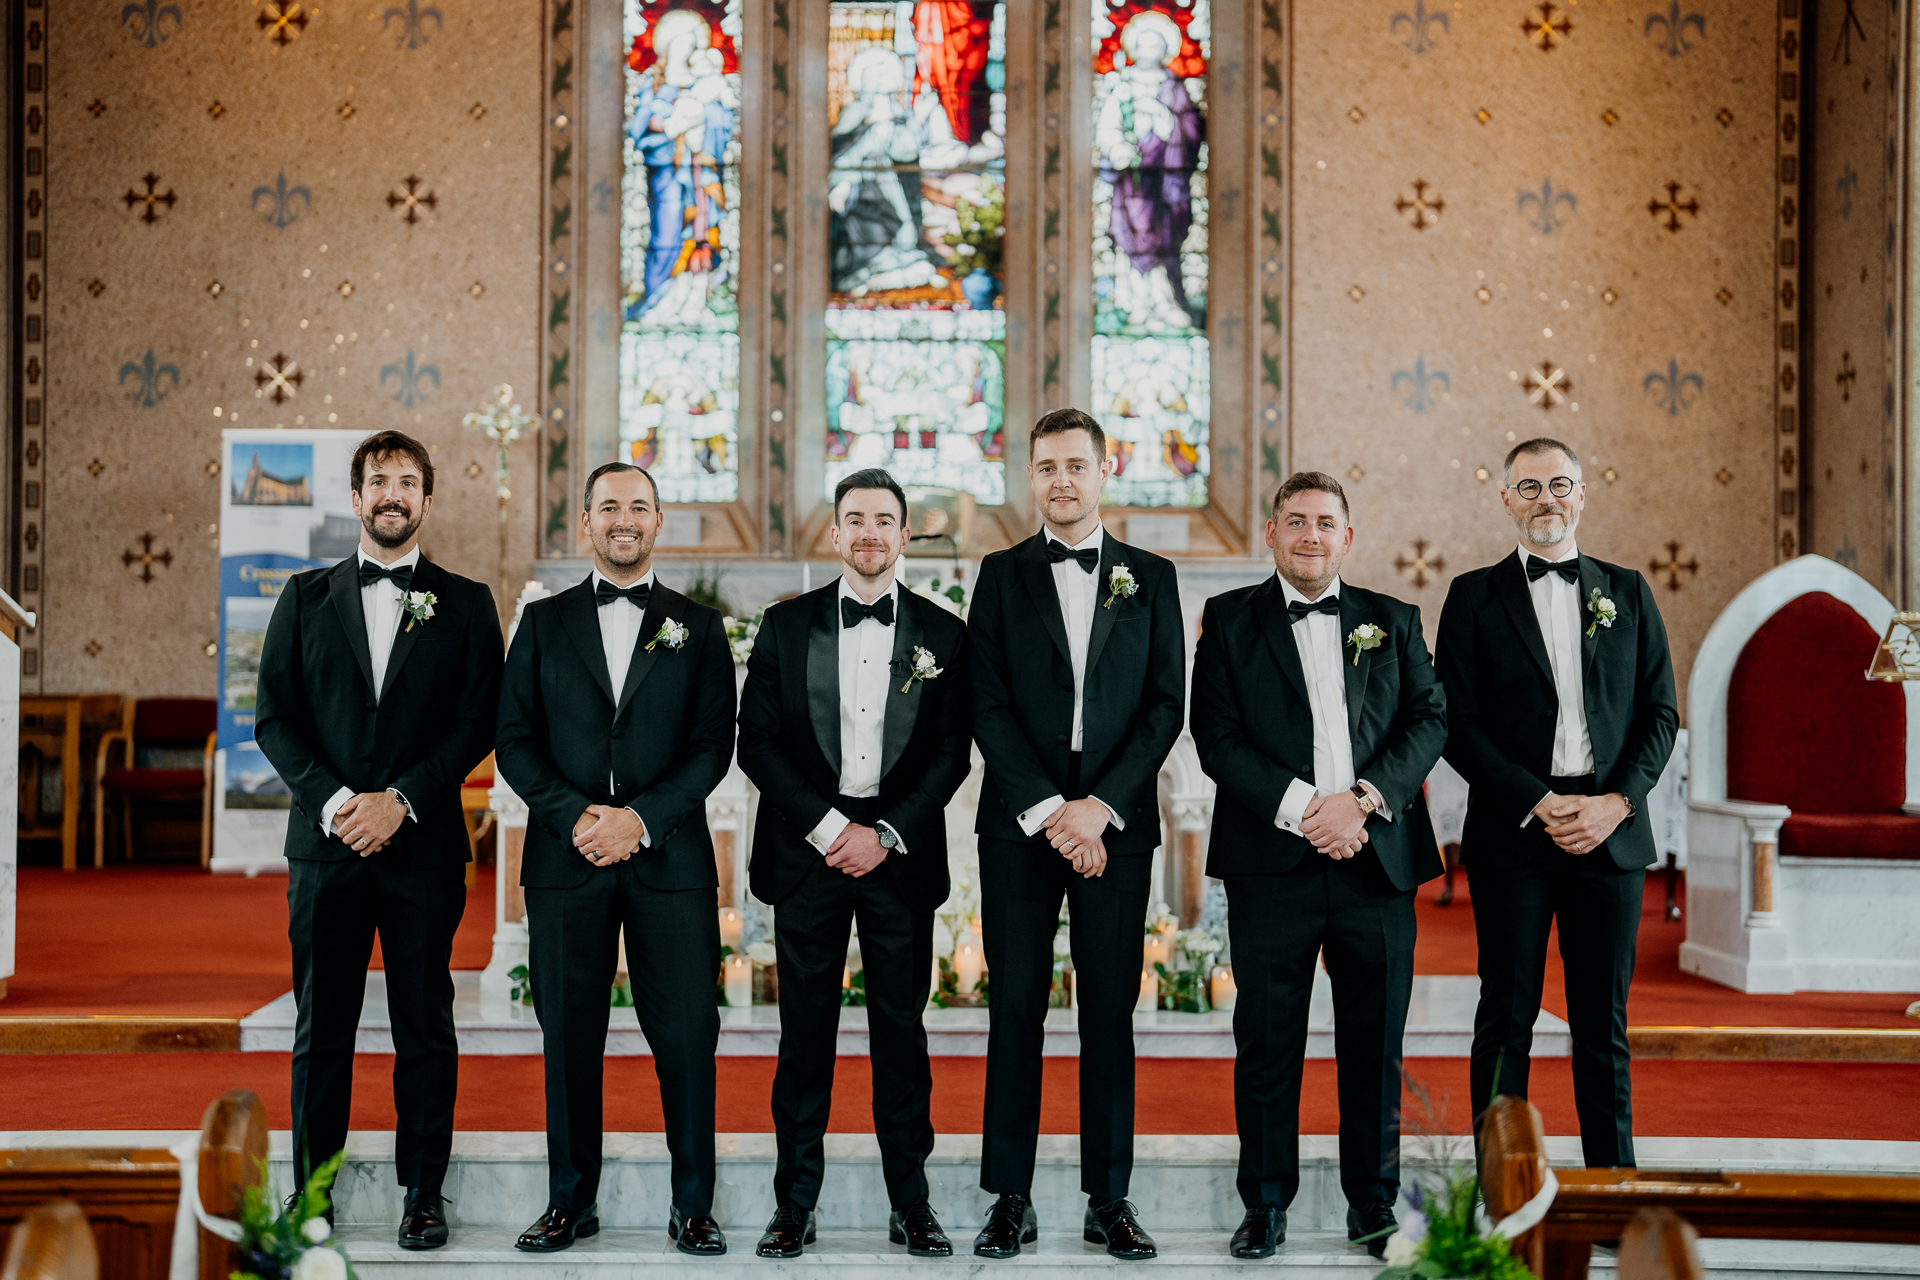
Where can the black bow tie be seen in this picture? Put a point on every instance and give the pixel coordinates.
(607, 593)
(401, 577)
(1089, 557)
(1568, 568)
(1298, 609)
(853, 613)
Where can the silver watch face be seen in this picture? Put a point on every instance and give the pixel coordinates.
(888, 840)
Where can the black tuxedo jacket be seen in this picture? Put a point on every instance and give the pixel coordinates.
(790, 742)
(316, 719)
(1253, 727)
(1134, 699)
(1502, 706)
(665, 740)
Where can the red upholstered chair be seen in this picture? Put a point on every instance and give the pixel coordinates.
(165, 751)
(1804, 816)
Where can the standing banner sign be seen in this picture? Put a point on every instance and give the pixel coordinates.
(287, 505)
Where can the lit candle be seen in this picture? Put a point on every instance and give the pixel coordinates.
(966, 967)
(1221, 989)
(1157, 950)
(739, 978)
(933, 980)
(846, 977)
(730, 923)
(1149, 992)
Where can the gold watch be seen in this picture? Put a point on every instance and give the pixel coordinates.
(1367, 805)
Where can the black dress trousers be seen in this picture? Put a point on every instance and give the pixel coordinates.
(674, 954)
(334, 910)
(896, 951)
(1279, 925)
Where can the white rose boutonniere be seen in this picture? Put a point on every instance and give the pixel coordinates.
(1364, 637)
(1120, 585)
(671, 634)
(419, 607)
(922, 667)
(1602, 610)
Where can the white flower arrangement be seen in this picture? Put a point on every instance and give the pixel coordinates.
(740, 635)
(1197, 943)
(671, 634)
(924, 666)
(762, 953)
(952, 598)
(1120, 585)
(1602, 610)
(1364, 637)
(419, 607)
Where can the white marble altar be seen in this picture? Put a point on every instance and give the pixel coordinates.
(12, 618)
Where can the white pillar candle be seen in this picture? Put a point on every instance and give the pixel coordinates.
(739, 979)
(1221, 989)
(1156, 950)
(730, 923)
(966, 967)
(1149, 992)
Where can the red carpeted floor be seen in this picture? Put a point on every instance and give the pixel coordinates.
(1671, 1099)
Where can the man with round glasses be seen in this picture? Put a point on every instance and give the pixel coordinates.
(1561, 715)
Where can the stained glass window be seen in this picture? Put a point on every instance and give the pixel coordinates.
(680, 248)
(916, 333)
(1151, 390)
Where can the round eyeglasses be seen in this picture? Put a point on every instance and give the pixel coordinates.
(1559, 487)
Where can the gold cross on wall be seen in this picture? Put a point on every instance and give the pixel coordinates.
(1674, 565)
(146, 558)
(1420, 564)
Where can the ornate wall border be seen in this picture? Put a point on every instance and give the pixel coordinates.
(559, 320)
(1788, 533)
(29, 373)
(1274, 433)
(1898, 517)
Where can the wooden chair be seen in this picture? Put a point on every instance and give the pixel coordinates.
(52, 1242)
(1659, 1245)
(1513, 1168)
(233, 1145)
(173, 725)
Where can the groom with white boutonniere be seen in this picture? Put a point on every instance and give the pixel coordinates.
(379, 681)
(616, 723)
(1317, 711)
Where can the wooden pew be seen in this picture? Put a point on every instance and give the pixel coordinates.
(52, 1242)
(1660, 1245)
(130, 1198)
(1513, 1168)
(233, 1142)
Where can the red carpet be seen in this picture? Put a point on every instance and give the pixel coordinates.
(1671, 1099)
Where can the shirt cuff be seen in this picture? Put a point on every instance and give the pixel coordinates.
(332, 807)
(1112, 816)
(1536, 804)
(827, 830)
(1031, 820)
(1293, 805)
(1380, 809)
(646, 840)
(405, 803)
(899, 841)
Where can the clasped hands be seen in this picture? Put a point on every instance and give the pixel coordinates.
(1077, 829)
(368, 820)
(856, 850)
(607, 834)
(1334, 825)
(1579, 824)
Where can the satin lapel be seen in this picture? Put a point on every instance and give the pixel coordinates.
(582, 622)
(902, 706)
(662, 603)
(1112, 553)
(1355, 610)
(823, 675)
(425, 578)
(1037, 575)
(1592, 578)
(1510, 583)
(1270, 614)
(344, 586)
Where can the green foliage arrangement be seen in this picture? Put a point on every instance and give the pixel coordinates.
(291, 1244)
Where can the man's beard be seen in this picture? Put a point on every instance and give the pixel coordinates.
(608, 552)
(855, 553)
(371, 522)
(1547, 536)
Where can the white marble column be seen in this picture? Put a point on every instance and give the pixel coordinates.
(509, 900)
(12, 619)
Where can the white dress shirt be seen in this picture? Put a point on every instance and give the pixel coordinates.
(1322, 663)
(866, 657)
(619, 638)
(380, 609)
(1556, 604)
(1079, 593)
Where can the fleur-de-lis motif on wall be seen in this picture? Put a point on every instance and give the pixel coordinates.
(1844, 186)
(280, 198)
(151, 14)
(411, 375)
(1545, 201)
(1419, 23)
(1420, 382)
(1670, 388)
(1673, 29)
(413, 23)
(147, 392)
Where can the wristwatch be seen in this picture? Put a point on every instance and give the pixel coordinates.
(1367, 805)
(888, 840)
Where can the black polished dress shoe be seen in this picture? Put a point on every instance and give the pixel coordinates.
(698, 1235)
(423, 1222)
(1010, 1223)
(917, 1228)
(1116, 1224)
(1261, 1231)
(788, 1232)
(558, 1228)
(1371, 1223)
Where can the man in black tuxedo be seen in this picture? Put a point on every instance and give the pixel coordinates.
(1079, 673)
(1317, 711)
(853, 724)
(378, 683)
(1562, 717)
(616, 723)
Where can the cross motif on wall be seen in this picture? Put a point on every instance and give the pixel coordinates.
(1542, 32)
(149, 198)
(1547, 387)
(411, 200)
(280, 377)
(1844, 379)
(1674, 206)
(1420, 564)
(1674, 565)
(1421, 206)
(282, 21)
(146, 557)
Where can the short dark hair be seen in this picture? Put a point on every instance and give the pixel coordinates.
(871, 478)
(1311, 482)
(1539, 444)
(387, 444)
(614, 469)
(1063, 420)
